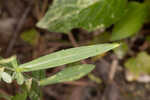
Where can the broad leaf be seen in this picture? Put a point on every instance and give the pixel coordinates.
(147, 3)
(138, 68)
(68, 74)
(101, 38)
(139, 65)
(64, 15)
(66, 56)
(132, 21)
(101, 14)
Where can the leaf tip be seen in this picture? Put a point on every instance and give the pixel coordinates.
(116, 45)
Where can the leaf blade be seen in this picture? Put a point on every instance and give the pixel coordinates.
(20, 96)
(65, 15)
(68, 74)
(129, 24)
(6, 77)
(65, 9)
(102, 14)
(66, 56)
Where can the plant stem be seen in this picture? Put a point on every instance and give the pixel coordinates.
(72, 39)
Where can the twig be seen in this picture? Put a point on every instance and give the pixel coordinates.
(72, 39)
(58, 44)
(50, 50)
(18, 28)
(37, 10)
(113, 69)
(79, 83)
(40, 12)
(44, 7)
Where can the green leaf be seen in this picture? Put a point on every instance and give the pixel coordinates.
(132, 21)
(68, 74)
(94, 78)
(65, 15)
(34, 95)
(66, 56)
(101, 14)
(20, 96)
(101, 38)
(147, 3)
(39, 74)
(14, 62)
(19, 77)
(139, 65)
(7, 60)
(35, 92)
(6, 77)
(30, 36)
(122, 50)
(1, 71)
(28, 84)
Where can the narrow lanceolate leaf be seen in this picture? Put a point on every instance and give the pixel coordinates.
(8, 60)
(132, 21)
(68, 74)
(66, 56)
(64, 15)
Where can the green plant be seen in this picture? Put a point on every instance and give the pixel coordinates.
(63, 16)
(54, 60)
(10, 70)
